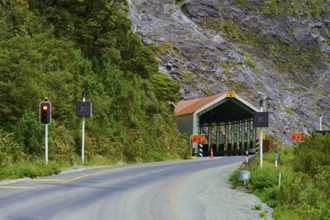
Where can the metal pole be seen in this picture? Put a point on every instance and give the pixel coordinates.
(218, 137)
(226, 138)
(83, 132)
(83, 141)
(320, 121)
(210, 137)
(46, 144)
(261, 109)
(249, 135)
(232, 128)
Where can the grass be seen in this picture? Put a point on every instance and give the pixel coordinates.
(303, 193)
(29, 168)
(257, 207)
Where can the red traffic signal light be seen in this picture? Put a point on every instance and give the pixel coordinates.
(45, 112)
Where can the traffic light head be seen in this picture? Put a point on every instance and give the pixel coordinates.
(45, 113)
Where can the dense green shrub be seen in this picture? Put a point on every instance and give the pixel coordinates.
(10, 150)
(264, 183)
(30, 167)
(263, 178)
(311, 154)
(55, 49)
(304, 192)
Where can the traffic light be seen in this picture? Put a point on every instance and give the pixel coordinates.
(45, 113)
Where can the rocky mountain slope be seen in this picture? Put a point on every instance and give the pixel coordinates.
(278, 52)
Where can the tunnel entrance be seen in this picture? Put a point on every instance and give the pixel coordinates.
(225, 119)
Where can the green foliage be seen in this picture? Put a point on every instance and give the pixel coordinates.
(32, 167)
(10, 150)
(305, 181)
(30, 134)
(166, 89)
(55, 49)
(233, 31)
(312, 155)
(286, 7)
(264, 183)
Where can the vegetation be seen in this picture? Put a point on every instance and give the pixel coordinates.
(288, 56)
(312, 9)
(55, 49)
(305, 180)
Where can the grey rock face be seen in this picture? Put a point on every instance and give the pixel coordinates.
(191, 47)
(203, 9)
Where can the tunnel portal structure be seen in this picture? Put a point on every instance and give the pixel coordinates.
(225, 119)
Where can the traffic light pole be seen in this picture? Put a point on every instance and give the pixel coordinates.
(45, 119)
(46, 143)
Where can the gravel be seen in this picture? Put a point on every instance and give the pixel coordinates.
(214, 198)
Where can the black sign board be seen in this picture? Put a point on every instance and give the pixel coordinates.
(84, 109)
(260, 119)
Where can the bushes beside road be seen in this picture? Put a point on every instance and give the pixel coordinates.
(304, 190)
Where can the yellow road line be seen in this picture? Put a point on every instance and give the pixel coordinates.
(88, 175)
(172, 199)
(47, 180)
(97, 173)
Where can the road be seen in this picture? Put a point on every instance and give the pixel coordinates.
(149, 191)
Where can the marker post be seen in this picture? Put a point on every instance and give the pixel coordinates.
(261, 128)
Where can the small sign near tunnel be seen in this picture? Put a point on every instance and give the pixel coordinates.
(198, 138)
(260, 119)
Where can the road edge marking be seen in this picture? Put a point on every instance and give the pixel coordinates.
(18, 187)
(173, 192)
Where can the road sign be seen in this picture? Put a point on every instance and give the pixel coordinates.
(260, 119)
(231, 94)
(297, 136)
(84, 109)
(198, 138)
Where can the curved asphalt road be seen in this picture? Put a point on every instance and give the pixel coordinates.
(130, 192)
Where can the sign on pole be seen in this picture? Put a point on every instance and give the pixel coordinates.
(260, 119)
(298, 136)
(198, 138)
(84, 109)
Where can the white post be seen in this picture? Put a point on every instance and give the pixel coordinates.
(83, 141)
(247, 157)
(276, 159)
(279, 180)
(83, 137)
(46, 143)
(261, 129)
(320, 121)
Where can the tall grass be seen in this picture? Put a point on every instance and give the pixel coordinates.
(28, 168)
(304, 192)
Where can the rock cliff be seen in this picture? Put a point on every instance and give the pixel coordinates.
(278, 53)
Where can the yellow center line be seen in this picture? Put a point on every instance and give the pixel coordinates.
(47, 180)
(63, 181)
(88, 175)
